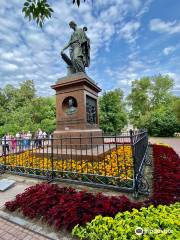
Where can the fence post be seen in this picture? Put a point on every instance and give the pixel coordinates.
(91, 140)
(52, 157)
(4, 151)
(135, 187)
(103, 136)
(117, 154)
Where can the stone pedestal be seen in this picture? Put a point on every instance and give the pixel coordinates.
(77, 109)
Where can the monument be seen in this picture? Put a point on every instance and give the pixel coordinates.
(79, 50)
(77, 94)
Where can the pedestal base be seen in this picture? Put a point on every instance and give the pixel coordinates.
(81, 138)
(77, 111)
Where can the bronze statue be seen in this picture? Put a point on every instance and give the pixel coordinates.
(79, 50)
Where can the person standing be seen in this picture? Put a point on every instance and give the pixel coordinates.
(36, 140)
(44, 135)
(20, 141)
(23, 140)
(13, 144)
(5, 143)
(40, 137)
(8, 139)
(44, 138)
(28, 138)
(18, 138)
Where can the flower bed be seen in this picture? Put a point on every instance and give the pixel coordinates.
(154, 223)
(166, 175)
(66, 207)
(118, 163)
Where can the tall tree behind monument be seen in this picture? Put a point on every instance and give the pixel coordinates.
(113, 115)
(152, 105)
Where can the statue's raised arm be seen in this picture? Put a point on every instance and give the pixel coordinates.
(79, 50)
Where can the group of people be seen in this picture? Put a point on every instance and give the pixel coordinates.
(22, 141)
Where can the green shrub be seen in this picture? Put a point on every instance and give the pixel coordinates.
(157, 223)
(160, 122)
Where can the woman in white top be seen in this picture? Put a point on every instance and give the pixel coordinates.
(5, 143)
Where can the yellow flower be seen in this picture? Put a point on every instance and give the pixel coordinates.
(117, 163)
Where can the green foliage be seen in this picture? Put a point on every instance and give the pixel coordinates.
(138, 99)
(160, 122)
(176, 108)
(139, 95)
(158, 223)
(48, 124)
(20, 109)
(78, 2)
(40, 10)
(151, 103)
(160, 91)
(113, 116)
(37, 10)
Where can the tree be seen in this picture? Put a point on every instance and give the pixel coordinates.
(161, 122)
(160, 90)
(21, 109)
(27, 90)
(113, 116)
(39, 10)
(152, 107)
(138, 99)
(147, 94)
(176, 108)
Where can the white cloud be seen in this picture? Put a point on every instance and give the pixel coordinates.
(168, 50)
(161, 26)
(145, 8)
(123, 76)
(136, 3)
(129, 31)
(34, 53)
(9, 67)
(136, 68)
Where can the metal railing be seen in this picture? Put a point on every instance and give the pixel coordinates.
(116, 162)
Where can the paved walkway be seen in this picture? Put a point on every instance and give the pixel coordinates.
(20, 185)
(173, 142)
(12, 231)
(35, 230)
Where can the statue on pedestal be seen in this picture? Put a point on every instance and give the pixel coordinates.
(79, 50)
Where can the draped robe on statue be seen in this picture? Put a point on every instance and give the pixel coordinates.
(79, 50)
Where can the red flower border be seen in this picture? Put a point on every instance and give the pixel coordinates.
(166, 176)
(66, 207)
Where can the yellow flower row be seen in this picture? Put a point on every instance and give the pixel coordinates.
(118, 163)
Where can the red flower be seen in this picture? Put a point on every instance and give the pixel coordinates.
(66, 207)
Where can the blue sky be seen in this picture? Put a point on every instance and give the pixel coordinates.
(129, 39)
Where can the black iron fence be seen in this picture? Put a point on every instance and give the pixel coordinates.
(107, 161)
